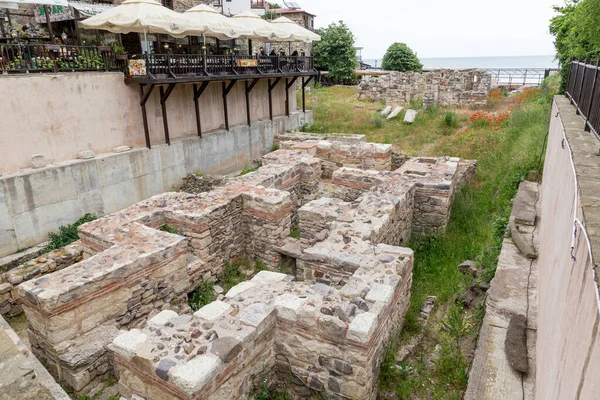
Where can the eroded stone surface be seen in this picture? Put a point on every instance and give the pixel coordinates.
(352, 291)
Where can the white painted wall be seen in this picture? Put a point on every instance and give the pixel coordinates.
(232, 7)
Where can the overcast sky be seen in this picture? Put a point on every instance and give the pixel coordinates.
(443, 28)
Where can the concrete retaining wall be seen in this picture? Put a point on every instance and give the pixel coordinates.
(35, 202)
(568, 343)
(59, 115)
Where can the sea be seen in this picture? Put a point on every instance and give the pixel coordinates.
(483, 62)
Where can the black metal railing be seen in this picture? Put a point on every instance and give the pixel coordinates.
(25, 58)
(180, 65)
(583, 88)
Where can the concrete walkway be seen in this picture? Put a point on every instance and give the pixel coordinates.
(513, 292)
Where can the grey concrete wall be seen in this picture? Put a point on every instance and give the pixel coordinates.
(35, 202)
(59, 115)
(568, 341)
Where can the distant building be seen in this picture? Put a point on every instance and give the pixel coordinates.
(232, 7)
(299, 16)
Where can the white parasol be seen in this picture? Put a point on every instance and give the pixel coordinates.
(261, 29)
(143, 16)
(297, 33)
(217, 25)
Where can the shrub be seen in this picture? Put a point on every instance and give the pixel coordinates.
(202, 296)
(67, 234)
(450, 120)
(232, 274)
(169, 229)
(378, 120)
(399, 57)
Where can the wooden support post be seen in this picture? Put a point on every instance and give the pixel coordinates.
(49, 24)
(197, 93)
(271, 87)
(288, 85)
(249, 88)
(287, 98)
(247, 103)
(304, 84)
(164, 95)
(303, 96)
(270, 101)
(144, 98)
(226, 90)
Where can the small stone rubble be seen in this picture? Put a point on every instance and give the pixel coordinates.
(324, 327)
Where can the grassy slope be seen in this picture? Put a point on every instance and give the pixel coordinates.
(504, 153)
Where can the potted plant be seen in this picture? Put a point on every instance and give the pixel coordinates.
(119, 51)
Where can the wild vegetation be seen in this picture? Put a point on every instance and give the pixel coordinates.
(67, 234)
(507, 140)
(336, 54)
(576, 31)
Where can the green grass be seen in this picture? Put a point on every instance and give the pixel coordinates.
(479, 215)
(248, 169)
(67, 234)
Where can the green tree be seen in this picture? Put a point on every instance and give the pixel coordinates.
(336, 53)
(575, 29)
(399, 57)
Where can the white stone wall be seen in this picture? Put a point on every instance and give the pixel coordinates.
(443, 87)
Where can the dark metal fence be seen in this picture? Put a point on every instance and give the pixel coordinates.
(179, 65)
(20, 58)
(583, 88)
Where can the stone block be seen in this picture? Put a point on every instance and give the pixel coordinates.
(395, 113)
(288, 305)
(192, 376)
(268, 277)
(162, 318)
(381, 293)
(127, 344)
(213, 311)
(227, 348)
(255, 314)
(239, 289)
(86, 155)
(38, 161)
(361, 327)
(121, 149)
(410, 116)
(386, 111)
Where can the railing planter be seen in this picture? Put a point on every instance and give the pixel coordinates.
(121, 57)
(104, 49)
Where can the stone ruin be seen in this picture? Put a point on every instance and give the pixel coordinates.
(445, 87)
(119, 309)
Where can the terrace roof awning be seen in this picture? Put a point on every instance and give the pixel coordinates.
(88, 9)
(40, 2)
(9, 5)
(298, 33)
